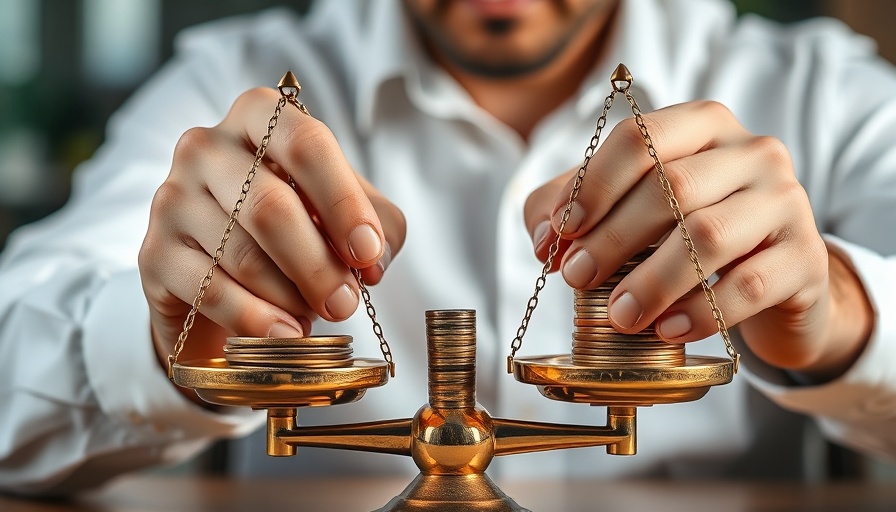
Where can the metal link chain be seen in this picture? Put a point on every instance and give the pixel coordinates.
(377, 328)
(285, 98)
(683, 229)
(623, 87)
(555, 246)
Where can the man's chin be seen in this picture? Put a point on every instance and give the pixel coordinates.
(498, 67)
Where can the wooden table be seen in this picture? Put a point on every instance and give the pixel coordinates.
(184, 494)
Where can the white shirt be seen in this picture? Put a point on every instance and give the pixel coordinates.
(83, 396)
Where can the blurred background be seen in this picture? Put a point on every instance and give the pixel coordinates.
(66, 65)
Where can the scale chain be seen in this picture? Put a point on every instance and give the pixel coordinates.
(622, 83)
(564, 218)
(288, 95)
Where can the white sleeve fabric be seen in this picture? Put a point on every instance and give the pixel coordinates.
(854, 103)
(82, 393)
(858, 409)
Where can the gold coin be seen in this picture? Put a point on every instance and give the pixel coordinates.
(242, 341)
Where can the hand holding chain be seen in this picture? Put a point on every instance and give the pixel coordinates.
(289, 91)
(622, 81)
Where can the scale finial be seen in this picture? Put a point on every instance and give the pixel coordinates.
(289, 85)
(621, 78)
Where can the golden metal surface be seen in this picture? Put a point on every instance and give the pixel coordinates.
(217, 382)
(452, 493)
(289, 85)
(452, 439)
(559, 378)
(621, 78)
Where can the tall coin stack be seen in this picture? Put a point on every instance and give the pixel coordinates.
(596, 343)
(310, 352)
(451, 346)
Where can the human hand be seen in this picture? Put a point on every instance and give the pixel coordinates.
(796, 306)
(287, 260)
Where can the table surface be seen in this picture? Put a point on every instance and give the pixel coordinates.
(151, 493)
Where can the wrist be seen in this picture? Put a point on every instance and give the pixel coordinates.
(163, 350)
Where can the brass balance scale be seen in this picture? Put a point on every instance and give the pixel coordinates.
(452, 439)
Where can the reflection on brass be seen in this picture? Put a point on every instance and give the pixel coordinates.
(612, 368)
(559, 378)
(452, 439)
(218, 382)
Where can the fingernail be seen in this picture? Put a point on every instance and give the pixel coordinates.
(674, 326)
(573, 223)
(625, 311)
(284, 330)
(386, 258)
(580, 269)
(364, 243)
(540, 235)
(342, 303)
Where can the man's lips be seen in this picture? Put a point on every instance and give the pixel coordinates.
(498, 8)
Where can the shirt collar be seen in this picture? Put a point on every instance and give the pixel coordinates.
(640, 37)
(384, 56)
(635, 39)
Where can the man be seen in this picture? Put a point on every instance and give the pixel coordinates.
(437, 124)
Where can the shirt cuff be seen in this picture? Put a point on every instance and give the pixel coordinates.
(867, 391)
(129, 382)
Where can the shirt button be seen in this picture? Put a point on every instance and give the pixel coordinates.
(135, 418)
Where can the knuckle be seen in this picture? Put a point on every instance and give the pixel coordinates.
(249, 260)
(794, 195)
(629, 133)
(247, 100)
(715, 109)
(214, 296)
(268, 206)
(681, 178)
(311, 145)
(753, 285)
(617, 241)
(147, 256)
(192, 145)
(710, 233)
(774, 152)
(319, 282)
(167, 198)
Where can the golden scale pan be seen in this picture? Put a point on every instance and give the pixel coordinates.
(451, 438)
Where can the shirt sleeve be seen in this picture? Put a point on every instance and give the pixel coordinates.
(849, 121)
(858, 409)
(83, 395)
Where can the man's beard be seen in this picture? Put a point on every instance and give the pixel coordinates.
(498, 67)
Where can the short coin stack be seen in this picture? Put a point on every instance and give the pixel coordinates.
(596, 343)
(310, 352)
(451, 345)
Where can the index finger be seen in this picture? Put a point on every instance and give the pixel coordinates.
(623, 159)
(308, 152)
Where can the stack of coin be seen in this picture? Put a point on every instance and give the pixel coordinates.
(451, 345)
(596, 343)
(310, 352)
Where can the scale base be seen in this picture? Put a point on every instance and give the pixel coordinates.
(452, 493)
